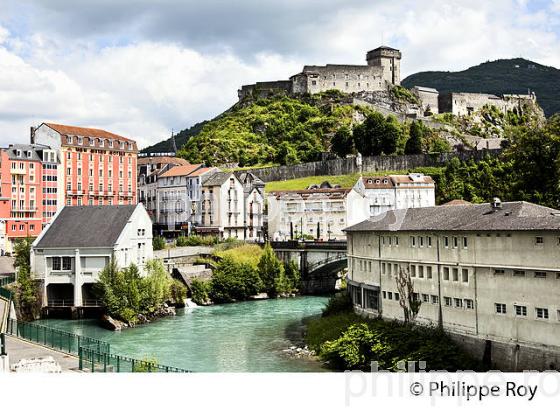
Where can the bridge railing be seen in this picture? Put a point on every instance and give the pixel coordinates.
(337, 257)
(336, 245)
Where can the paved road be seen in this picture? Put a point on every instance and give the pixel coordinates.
(22, 349)
(183, 251)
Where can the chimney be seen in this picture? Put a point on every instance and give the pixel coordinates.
(496, 203)
(32, 134)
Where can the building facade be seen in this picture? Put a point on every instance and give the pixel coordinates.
(222, 199)
(374, 195)
(253, 193)
(149, 169)
(488, 274)
(73, 249)
(173, 202)
(28, 192)
(96, 167)
(318, 212)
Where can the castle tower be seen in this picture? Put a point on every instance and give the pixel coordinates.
(389, 59)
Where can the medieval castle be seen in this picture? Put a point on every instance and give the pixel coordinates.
(381, 73)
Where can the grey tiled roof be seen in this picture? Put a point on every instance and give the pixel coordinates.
(87, 226)
(24, 148)
(217, 178)
(512, 216)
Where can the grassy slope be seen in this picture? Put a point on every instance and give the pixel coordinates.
(345, 181)
(497, 77)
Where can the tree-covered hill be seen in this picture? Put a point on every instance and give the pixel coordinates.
(180, 140)
(510, 76)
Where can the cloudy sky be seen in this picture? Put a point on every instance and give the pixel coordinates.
(141, 68)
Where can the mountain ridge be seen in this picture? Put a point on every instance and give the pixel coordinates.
(503, 76)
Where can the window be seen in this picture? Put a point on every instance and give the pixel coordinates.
(428, 272)
(455, 274)
(413, 241)
(500, 308)
(425, 298)
(458, 303)
(447, 300)
(519, 273)
(413, 271)
(421, 241)
(397, 296)
(455, 242)
(56, 264)
(520, 310)
(390, 295)
(499, 272)
(384, 295)
(396, 241)
(435, 299)
(465, 275)
(429, 239)
(446, 241)
(421, 272)
(62, 263)
(540, 275)
(445, 273)
(542, 313)
(539, 240)
(469, 304)
(465, 242)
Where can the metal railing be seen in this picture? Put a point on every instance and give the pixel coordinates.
(60, 303)
(108, 363)
(54, 338)
(93, 355)
(340, 256)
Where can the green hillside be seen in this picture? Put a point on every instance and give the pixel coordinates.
(497, 77)
(180, 140)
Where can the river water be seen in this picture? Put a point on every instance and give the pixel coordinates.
(237, 337)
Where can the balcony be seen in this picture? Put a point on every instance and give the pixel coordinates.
(17, 171)
(24, 209)
(72, 192)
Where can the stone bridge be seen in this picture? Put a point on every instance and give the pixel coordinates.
(320, 263)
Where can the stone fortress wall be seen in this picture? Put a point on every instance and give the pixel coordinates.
(381, 73)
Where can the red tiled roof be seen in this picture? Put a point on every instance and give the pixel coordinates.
(181, 170)
(200, 171)
(70, 130)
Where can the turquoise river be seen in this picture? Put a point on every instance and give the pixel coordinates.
(238, 337)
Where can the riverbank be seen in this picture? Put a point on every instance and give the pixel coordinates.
(347, 341)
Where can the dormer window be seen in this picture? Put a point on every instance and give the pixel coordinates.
(18, 153)
(80, 140)
(385, 181)
(377, 181)
(29, 154)
(69, 140)
(111, 143)
(101, 142)
(369, 181)
(122, 145)
(130, 146)
(91, 142)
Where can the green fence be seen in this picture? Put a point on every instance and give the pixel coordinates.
(5, 293)
(108, 362)
(2, 344)
(54, 338)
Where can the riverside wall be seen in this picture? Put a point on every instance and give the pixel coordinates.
(342, 166)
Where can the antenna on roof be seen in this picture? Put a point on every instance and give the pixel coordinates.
(173, 140)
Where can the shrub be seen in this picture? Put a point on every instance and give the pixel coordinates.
(338, 303)
(158, 243)
(178, 292)
(233, 281)
(271, 272)
(200, 290)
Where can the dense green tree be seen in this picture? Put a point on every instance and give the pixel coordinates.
(232, 281)
(416, 139)
(342, 142)
(377, 135)
(270, 270)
